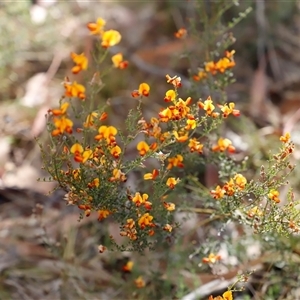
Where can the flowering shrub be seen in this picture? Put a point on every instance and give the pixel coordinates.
(91, 165)
(87, 157)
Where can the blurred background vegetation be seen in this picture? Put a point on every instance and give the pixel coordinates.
(45, 252)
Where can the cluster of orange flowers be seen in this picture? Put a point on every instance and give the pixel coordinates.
(145, 220)
(100, 167)
(226, 109)
(105, 153)
(106, 142)
(288, 149)
(235, 184)
(210, 67)
(96, 156)
(274, 195)
(238, 182)
(75, 90)
(180, 112)
(211, 259)
(213, 68)
(61, 122)
(108, 38)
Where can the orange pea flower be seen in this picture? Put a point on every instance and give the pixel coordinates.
(115, 151)
(129, 230)
(110, 38)
(151, 176)
(90, 119)
(135, 94)
(81, 155)
(218, 193)
(183, 137)
(128, 266)
(293, 226)
(194, 145)
(168, 227)
(118, 175)
(76, 148)
(151, 232)
(182, 106)
(181, 33)
(170, 96)
(175, 161)
(210, 67)
(74, 90)
(76, 173)
(274, 195)
(228, 109)
(103, 116)
(107, 133)
(207, 106)
(96, 28)
(169, 206)
(130, 224)
(200, 75)
(223, 64)
(223, 145)
(175, 80)
(145, 220)
(81, 62)
(229, 187)
(229, 54)
(103, 214)
(240, 181)
(285, 138)
(226, 296)
(165, 115)
(142, 147)
(95, 183)
(139, 199)
(140, 282)
(86, 208)
(60, 111)
(190, 124)
(211, 259)
(62, 125)
(118, 61)
(254, 211)
(171, 182)
(144, 89)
